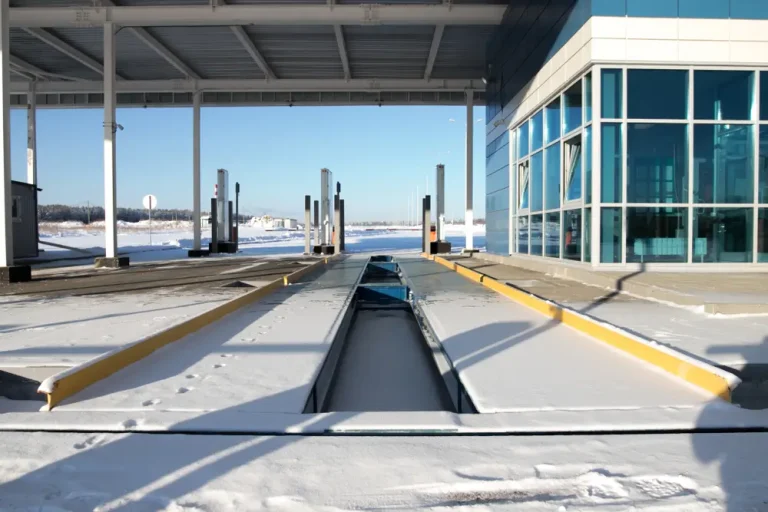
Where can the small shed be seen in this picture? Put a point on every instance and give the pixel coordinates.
(24, 220)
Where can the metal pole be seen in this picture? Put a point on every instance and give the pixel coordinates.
(337, 224)
(440, 193)
(32, 134)
(150, 220)
(229, 222)
(196, 171)
(307, 221)
(468, 214)
(317, 222)
(343, 228)
(6, 227)
(214, 227)
(110, 153)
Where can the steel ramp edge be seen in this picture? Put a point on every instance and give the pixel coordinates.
(72, 380)
(704, 376)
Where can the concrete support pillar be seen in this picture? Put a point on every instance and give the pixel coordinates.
(440, 193)
(337, 224)
(342, 225)
(427, 221)
(32, 134)
(110, 153)
(307, 221)
(8, 272)
(317, 222)
(196, 184)
(468, 214)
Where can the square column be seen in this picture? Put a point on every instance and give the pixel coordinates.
(196, 170)
(8, 271)
(32, 134)
(110, 152)
(469, 189)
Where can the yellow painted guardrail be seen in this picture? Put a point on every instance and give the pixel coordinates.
(707, 377)
(75, 379)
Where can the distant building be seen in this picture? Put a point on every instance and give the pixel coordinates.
(274, 223)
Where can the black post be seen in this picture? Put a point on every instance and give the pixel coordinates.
(423, 208)
(342, 225)
(427, 224)
(231, 231)
(237, 208)
(317, 223)
(214, 225)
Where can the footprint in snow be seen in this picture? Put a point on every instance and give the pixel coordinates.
(192, 376)
(226, 355)
(221, 365)
(183, 390)
(148, 403)
(91, 441)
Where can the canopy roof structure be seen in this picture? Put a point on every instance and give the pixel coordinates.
(252, 52)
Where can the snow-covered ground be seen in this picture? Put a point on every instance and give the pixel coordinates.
(174, 473)
(172, 239)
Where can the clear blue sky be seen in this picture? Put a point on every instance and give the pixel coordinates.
(380, 154)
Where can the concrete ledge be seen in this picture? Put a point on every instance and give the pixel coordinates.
(119, 262)
(715, 308)
(704, 376)
(15, 274)
(67, 383)
(198, 253)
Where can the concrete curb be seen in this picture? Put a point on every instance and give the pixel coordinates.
(704, 376)
(75, 379)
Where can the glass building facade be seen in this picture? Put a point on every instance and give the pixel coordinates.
(631, 164)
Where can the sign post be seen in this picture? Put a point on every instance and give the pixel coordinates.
(150, 203)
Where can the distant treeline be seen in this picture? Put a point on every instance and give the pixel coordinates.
(87, 214)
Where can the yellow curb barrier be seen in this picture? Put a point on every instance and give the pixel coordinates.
(67, 383)
(707, 377)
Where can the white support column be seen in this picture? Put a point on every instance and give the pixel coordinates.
(196, 170)
(110, 130)
(468, 216)
(6, 227)
(32, 134)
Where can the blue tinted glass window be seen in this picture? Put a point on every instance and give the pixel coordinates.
(723, 95)
(762, 235)
(553, 121)
(588, 234)
(572, 163)
(522, 235)
(657, 94)
(722, 235)
(611, 85)
(764, 95)
(657, 159)
(763, 166)
(716, 9)
(552, 235)
(749, 9)
(537, 131)
(571, 237)
(657, 234)
(610, 235)
(536, 235)
(610, 161)
(723, 163)
(537, 180)
(523, 140)
(588, 164)
(652, 8)
(609, 8)
(588, 97)
(552, 177)
(572, 108)
(498, 180)
(524, 183)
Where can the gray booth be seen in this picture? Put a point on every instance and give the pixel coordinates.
(24, 220)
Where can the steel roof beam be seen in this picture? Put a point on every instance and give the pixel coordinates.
(342, 51)
(258, 85)
(265, 14)
(163, 51)
(436, 38)
(257, 57)
(67, 49)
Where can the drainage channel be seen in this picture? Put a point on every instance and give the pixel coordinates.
(383, 358)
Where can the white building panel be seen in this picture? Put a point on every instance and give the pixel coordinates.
(652, 28)
(703, 30)
(639, 50)
(705, 52)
